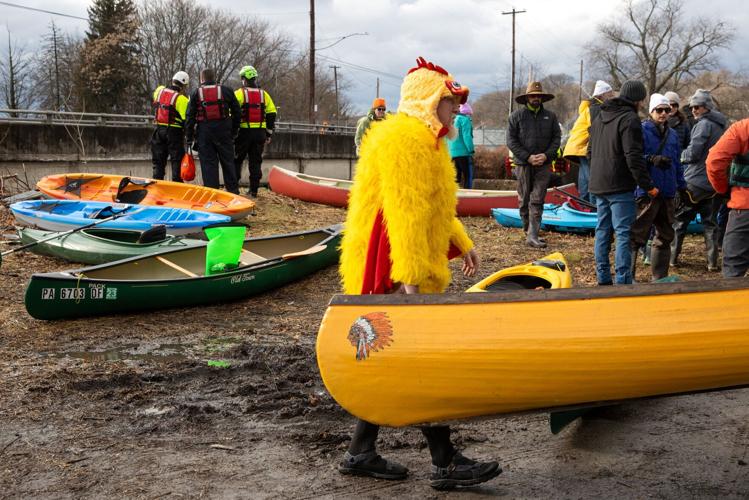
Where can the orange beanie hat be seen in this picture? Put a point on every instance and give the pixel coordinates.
(378, 103)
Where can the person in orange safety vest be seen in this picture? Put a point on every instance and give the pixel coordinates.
(168, 139)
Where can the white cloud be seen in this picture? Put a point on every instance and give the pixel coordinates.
(470, 38)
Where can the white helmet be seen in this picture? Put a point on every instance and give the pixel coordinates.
(181, 77)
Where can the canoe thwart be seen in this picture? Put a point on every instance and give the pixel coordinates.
(247, 258)
(176, 266)
(309, 251)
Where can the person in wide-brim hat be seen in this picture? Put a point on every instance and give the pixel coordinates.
(534, 89)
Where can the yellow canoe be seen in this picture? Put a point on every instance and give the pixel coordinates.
(407, 359)
(117, 188)
(551, 271)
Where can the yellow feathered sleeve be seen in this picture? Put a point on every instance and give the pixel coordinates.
(460, 238)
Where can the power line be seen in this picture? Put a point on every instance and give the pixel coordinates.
(43, 10)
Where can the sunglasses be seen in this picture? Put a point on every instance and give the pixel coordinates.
(674, 105)
(380, 109)
(662, 110)
(695, 107)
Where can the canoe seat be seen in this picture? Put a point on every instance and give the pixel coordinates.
(247, 258)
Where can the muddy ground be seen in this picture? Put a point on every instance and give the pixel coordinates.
(128, 406)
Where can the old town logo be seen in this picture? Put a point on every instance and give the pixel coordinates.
(370, 333)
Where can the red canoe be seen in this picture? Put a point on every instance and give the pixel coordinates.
(471, 202)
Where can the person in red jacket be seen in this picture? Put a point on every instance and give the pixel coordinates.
(728, 172)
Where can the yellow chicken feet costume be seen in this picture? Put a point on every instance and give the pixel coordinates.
(401, 225)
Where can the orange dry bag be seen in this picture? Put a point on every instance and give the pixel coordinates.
(187, 168)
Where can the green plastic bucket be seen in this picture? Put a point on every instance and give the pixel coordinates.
(224, 248)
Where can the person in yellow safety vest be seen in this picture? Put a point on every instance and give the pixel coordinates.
(168, 139)
(256, 128)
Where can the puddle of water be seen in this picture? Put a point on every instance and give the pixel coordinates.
(153, 352)
(212, 345)
(159, 353)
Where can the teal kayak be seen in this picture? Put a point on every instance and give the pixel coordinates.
(564, 218)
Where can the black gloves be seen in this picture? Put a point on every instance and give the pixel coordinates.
(660, 161)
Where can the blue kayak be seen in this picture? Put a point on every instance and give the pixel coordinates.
(564, 218)
(62, 215)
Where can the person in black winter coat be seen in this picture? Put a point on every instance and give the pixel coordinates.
(216, 112)
(700, 197)
(617, 167)
(533, 136)
(677, 120)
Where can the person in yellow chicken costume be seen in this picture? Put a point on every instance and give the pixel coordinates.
(401, 229)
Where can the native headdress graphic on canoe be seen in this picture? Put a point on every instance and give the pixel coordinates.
(370, 333)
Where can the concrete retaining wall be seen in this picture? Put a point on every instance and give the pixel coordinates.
(32, 151)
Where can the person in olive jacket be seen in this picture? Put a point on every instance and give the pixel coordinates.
(533, 136)
(617, 167)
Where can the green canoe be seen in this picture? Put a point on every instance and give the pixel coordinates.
(99, 245)
(176, 278)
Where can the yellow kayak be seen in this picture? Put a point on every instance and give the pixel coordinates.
(408, 359)
(551, 271)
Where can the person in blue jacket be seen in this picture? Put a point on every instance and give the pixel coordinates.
(662, 149)
(461, 147)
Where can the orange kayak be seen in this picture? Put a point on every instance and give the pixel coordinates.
(138, 190)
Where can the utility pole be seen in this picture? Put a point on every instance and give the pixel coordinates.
(312, 61)
(512, 84)
(581, 81)
(57, 67)
(378, 87)
(335, 82)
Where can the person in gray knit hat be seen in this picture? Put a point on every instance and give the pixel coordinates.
(617, 167)
(699, 197)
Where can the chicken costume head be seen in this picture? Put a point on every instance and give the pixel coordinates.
(421, 92)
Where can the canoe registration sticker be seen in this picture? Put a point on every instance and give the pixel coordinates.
(96, 292)
(72, 293)
(370, 333)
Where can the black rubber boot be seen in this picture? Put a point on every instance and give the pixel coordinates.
(371, 464)
(676, 249)
(659, 260)
(462, 471)
(711, 247)
(646, 253)
(532, 239)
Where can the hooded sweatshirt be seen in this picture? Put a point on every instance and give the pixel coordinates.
(617, 164)
(705, 134)
(462, 144)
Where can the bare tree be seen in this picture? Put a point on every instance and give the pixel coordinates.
(170, 34)
(15, 77)
(653, 41)
(55, 69)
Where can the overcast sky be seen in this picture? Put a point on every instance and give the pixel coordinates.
(470, 38)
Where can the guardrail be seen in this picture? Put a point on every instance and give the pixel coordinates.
(76, 119)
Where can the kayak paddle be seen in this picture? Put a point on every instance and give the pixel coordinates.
(117, 215)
